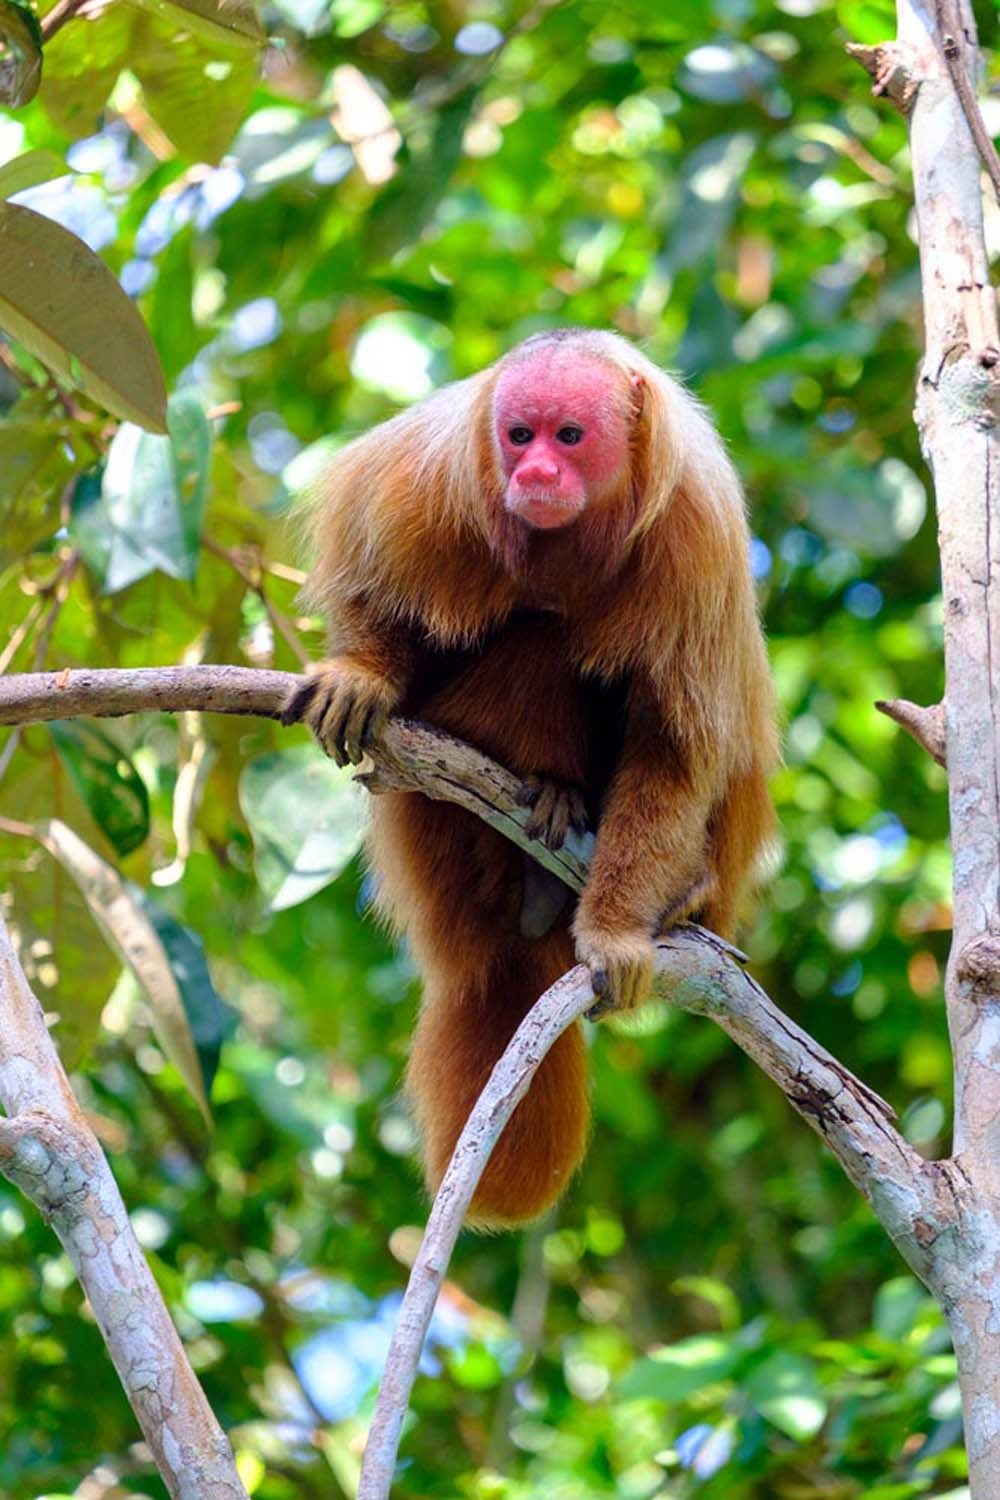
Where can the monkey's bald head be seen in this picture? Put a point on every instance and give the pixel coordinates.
(562, 420)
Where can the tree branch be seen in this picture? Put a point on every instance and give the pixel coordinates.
(49, 1151)
(408, 756)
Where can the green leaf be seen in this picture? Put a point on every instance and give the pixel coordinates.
(306, 815)
(107, 780)
(677, 1371)
(784, 1389)
(65, 306)
(29, 169)
(82, 64)
(198, 79)
(211, 1020)
(147, 511)
(20, 54)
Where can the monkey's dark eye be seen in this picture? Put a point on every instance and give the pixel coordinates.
(520, 436)
(569, 434)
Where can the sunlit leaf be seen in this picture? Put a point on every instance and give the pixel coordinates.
(65, 306)
(82, 64)
(196, 89)
(146, 512)
(306, 815)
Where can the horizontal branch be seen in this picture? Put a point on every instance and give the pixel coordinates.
(407, 756)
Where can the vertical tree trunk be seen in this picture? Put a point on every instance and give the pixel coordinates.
(930, 72)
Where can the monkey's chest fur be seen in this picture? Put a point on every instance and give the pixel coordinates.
(518, 697)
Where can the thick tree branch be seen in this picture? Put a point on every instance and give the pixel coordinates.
(50, 1152)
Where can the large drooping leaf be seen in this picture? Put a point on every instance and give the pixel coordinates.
(108, 782)
(307, 818)
(20, 54)
(61, 301)
(146, 511)
(118, 909)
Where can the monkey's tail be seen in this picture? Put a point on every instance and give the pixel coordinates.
(464, 1026)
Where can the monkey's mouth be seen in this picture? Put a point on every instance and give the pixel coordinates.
(544, 512)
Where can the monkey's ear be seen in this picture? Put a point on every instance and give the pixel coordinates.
(637, 385)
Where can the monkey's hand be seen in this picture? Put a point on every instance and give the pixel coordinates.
(345, 705)
(620, 964)
(555, 809)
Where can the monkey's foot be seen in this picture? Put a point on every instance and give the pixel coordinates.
(344, 705)
(555, 809)
(621, 968)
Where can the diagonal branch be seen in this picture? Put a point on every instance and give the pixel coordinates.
(696, 972)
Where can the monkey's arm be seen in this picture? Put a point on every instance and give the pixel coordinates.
(650, 862)
(351, 693)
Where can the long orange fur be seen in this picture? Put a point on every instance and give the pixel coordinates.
(643, 615)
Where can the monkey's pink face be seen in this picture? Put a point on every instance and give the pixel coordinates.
(562, 432)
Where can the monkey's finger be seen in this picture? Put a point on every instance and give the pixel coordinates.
(300, 701)
(605, 1001)
(331, 728)
(378, 718)
(555, 834)
(543, 811)
(354, 727)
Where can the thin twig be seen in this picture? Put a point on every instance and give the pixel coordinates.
(955, 48)
(62, 12)
(927, 725)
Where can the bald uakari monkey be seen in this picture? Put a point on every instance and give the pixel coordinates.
(550, 560)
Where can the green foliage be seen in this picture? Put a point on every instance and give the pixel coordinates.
(410, 188)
